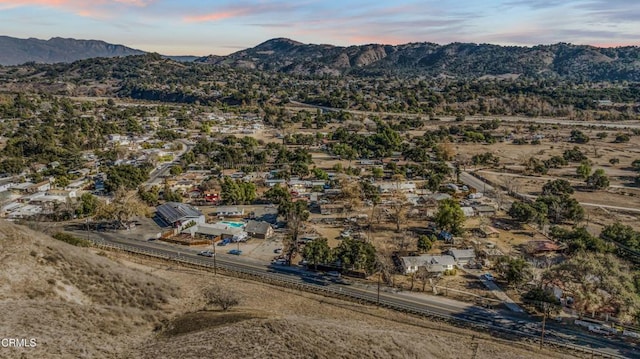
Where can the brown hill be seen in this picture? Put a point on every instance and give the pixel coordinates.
(73, 302)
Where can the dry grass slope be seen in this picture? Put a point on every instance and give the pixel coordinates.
(76, 303)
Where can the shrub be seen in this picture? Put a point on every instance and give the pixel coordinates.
(74, 241)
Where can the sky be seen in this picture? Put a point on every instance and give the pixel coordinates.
(202, 27)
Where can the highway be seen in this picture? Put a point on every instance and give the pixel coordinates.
(460, 313)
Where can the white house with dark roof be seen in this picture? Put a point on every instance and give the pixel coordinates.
(433, 263)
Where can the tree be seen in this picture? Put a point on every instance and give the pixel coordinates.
(221, 297)
(277, 194)
(237, 192)
(621, 234)
(516, 271)
(561, 208)
(579, 239)
(522, 212)
(598, 283)
(584, 169)
(175, 170)
(124, 207)
(88, 205)
(557, 188)
(126, 176)
(354, 254)
(295, 213)
(450, 216)
(424, 243)
(598, 180)
(578, 136)
(622, 138)
(317, 252)
(636, 165)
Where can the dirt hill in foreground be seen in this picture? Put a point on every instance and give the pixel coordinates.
(83, 303)
(77, 304)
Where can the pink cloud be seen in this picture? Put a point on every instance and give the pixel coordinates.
(217, 16)
(93, 8)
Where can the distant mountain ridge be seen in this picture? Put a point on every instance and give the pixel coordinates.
(14, 51)
(466, 60)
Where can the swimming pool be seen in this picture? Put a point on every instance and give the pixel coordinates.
(234, 224)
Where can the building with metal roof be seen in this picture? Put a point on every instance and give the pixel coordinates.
(179, 214)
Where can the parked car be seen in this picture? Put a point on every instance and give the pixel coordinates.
(488, 276)
(235, 252)
(206, 253)
(224, 242)
(334, 274)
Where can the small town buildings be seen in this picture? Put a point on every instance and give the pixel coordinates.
(216, 231)
(432, 263)
(404, 187)
(331, 208)
(259, 229)
(228, 211)
(485, 210)
(462, 256)
(178, 215)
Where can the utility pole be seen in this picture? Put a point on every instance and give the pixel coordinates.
(544, 319)
(379, 278)
(215, 267)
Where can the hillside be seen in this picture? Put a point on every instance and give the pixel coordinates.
(18, 51)
(460, 60)
(82, 303)
(73, 302)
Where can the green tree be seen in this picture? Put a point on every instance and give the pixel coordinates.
(175, 170)
(557, 188)
(354, 254)
(424, 243)
(450, 216)
(516, 271)
(598, 180)
(317, 252)
(599, 283)
(578, 136)
(277, 194)
(584, 169)
(88, 205)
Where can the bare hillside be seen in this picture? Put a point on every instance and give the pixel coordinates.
(74, 302)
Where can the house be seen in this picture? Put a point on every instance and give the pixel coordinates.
(405, 187)
(259, 229)
(433, 263)
(228, 211)
(462, 256)
(541, 247)
(6, 185)
(178, 215)
(485, 210)
(487, 232)
(468, 211)
(216, 231)
(331, 208)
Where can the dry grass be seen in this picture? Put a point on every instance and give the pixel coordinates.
(75, 303)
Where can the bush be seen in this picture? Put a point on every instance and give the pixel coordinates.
(74, 241)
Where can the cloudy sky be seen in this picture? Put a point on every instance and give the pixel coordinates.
(201, 27)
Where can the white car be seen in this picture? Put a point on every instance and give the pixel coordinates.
(206, 253)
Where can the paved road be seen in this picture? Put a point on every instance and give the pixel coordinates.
(521, 324)
(155, 177)
(547, 121)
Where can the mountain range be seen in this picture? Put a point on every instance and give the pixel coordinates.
(455, 60)
(14, 51)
